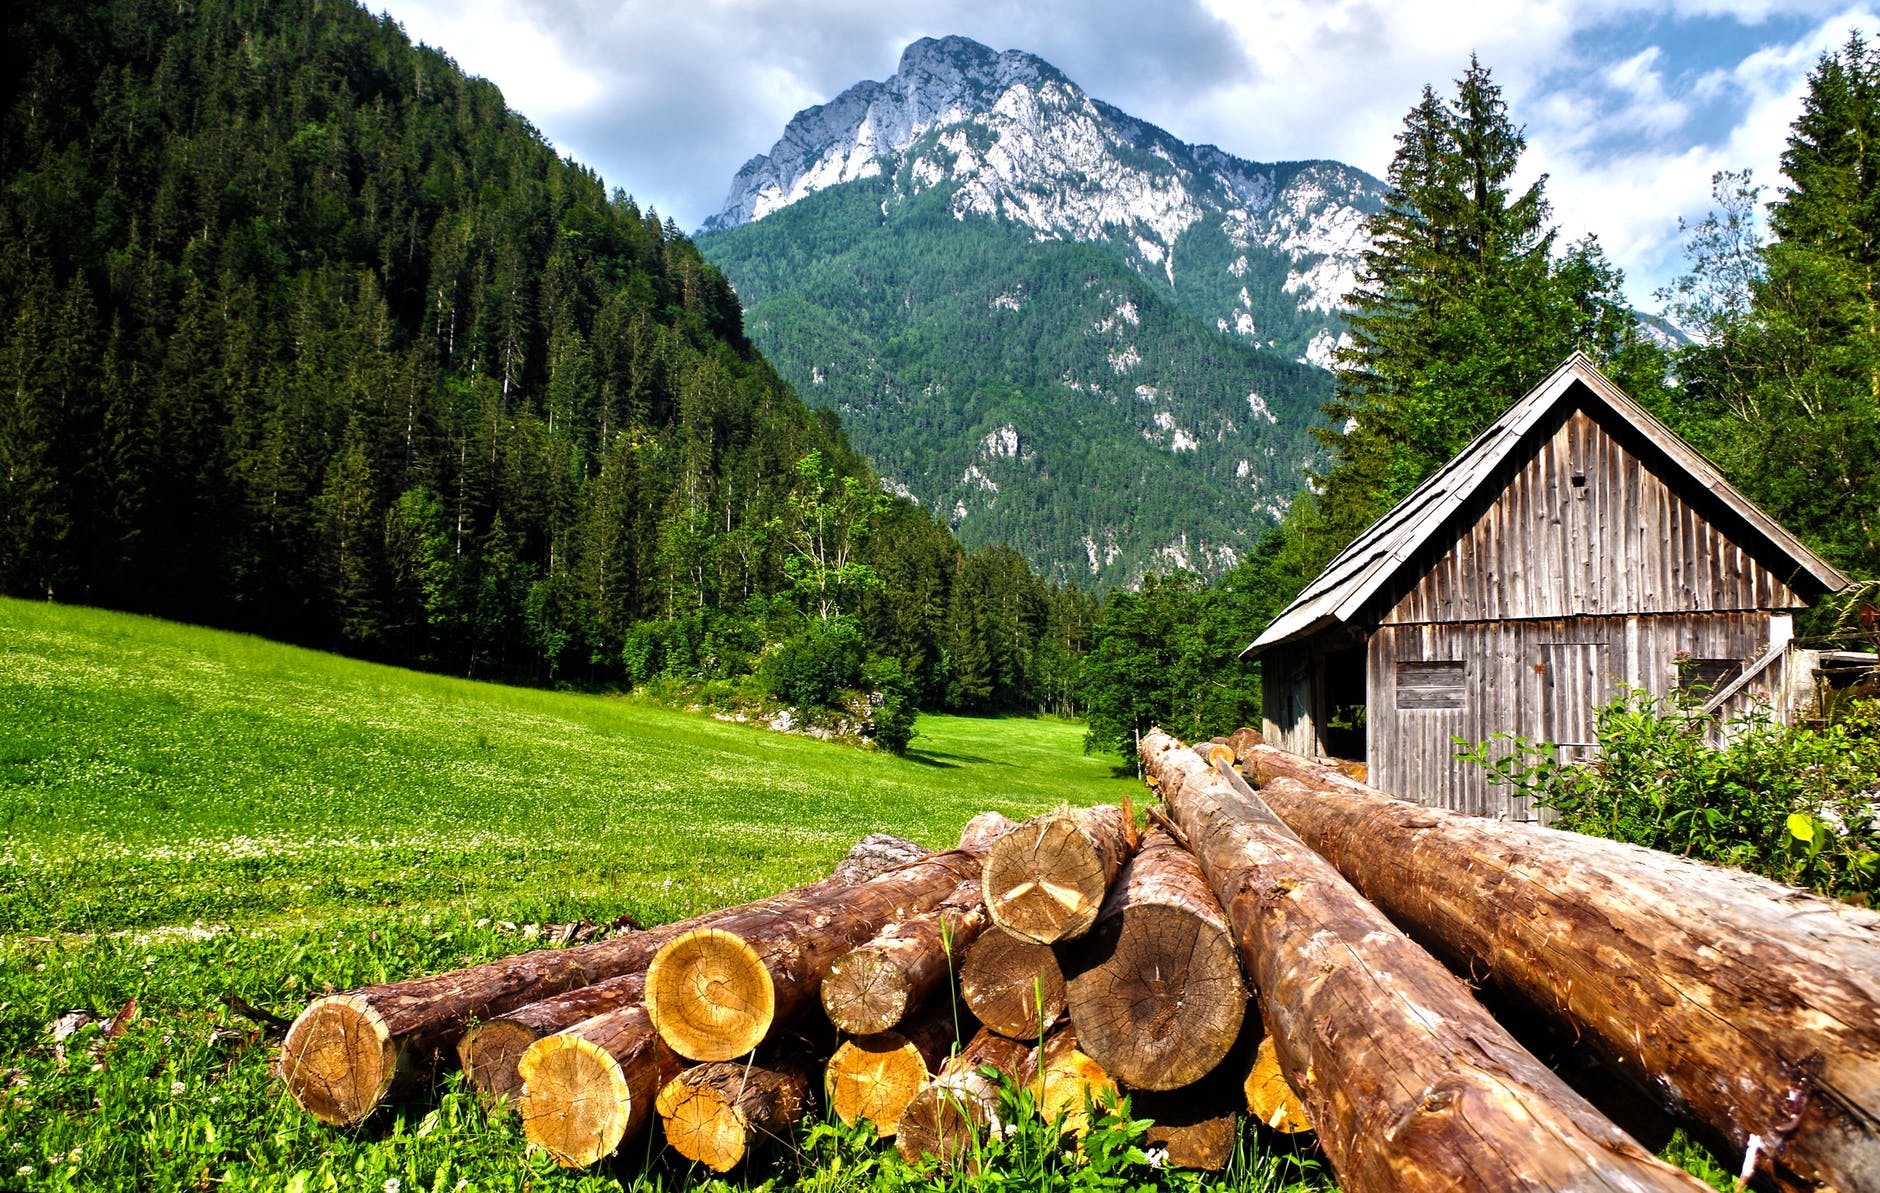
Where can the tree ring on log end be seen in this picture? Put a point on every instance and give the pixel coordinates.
(875, 1077)
(1157, 996)
(709, 995)
(946, 1122)
(490, 1053)
(339, 1059)
(1044, 881)
(864, 993)
(702, 1124)
(576, 1103)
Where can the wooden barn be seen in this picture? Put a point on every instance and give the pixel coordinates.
(1575, 546)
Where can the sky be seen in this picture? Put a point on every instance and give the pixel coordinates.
(1629, 106)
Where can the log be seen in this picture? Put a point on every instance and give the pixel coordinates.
(949, 1120)
(982, 831)
(1411, 1084)
(588, 1088)
(1191, 1128)
(491, 1053)
(1013, 986)
(1751, 1010)
(714, 992)
(873, 986)
(1067, 1082)
(717, 1114)
(1271, 1099)
(348, 1052)
(874, 1077)
(1155, 987)
(1045, 880)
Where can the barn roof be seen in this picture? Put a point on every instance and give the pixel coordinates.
(1349, 582)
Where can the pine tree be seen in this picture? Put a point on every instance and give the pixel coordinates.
(1461, 306)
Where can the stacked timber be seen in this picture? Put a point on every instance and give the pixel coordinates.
(1235, 959)
(1410, 1082)
(1750, 1009)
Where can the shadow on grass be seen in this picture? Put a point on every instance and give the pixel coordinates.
(951, 761)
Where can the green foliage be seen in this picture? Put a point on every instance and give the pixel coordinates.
(1014, 385)
(306, 334)
(814, 667)
(1462, 306)
(1795, 803)
(1783, 389)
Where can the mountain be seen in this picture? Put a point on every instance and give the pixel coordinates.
(306, 333)
(1057, 325)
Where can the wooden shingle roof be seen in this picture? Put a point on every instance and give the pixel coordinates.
(1342, 591)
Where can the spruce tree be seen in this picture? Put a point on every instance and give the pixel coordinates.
(1461, 307)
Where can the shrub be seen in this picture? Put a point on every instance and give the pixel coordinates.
(811, 669)
(1796, 803)
(894, 717)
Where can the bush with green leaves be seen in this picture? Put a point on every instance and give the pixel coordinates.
(813, 668)
(1797, 803)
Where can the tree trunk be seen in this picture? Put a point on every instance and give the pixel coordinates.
(1412, 1085)
(1045, 880)
(875, 1077)
(490, 1052)
(871, 988)
(1750, 1008)
(1155, 987)
(1014, 987)
(949, 1119)
(982, 831)
(1066, 1081)
(348, 1052)
(714, 992)
(588, 1088)
(718, 1114)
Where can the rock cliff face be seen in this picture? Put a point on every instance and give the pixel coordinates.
(1262, 251)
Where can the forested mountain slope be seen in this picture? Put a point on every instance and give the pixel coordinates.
(975, 253)
(305, 333)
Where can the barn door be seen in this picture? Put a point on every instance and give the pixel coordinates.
(1576, 679)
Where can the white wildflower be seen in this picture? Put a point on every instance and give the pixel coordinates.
(25, 1170)
(391, 1184)
(75, 1154)
(1156, 1156)
(56, 1159)
(177, 1088)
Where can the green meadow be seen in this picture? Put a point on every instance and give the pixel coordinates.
(192, 815)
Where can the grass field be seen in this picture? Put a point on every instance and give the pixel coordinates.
(191, 814)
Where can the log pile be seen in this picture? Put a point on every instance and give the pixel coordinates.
(1280, 948)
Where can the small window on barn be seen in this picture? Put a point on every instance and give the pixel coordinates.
(1708, 674)
(1430, 685)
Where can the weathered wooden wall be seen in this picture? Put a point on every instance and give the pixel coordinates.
(1541, 678)
(1583, 527)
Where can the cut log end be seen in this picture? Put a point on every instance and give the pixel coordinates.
(864, 993)
(576, 1104)
(1071, 1084)
(1044, 881)
(875, 1078)
(1270, 1098)
(339, 1059)
(1015, 987)
(945, 1123)
(490, 1053)
(709, 995)
(703, 1124)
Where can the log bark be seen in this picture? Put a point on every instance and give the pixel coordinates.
(872, 987)
(349, 1052)
(875, 1077)
(1013, 986)
(587, 1089)
(981, 832)
(717, 1114)
(948, 1121)
(1067, 1081)
(1751, 1009)
(1155, 987)
(1045, 880)
(1271, 1100)
(714, 992)
(1412, 1085)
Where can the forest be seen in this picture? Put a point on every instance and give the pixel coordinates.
(307, 334)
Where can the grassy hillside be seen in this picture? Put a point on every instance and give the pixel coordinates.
(191, 814)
